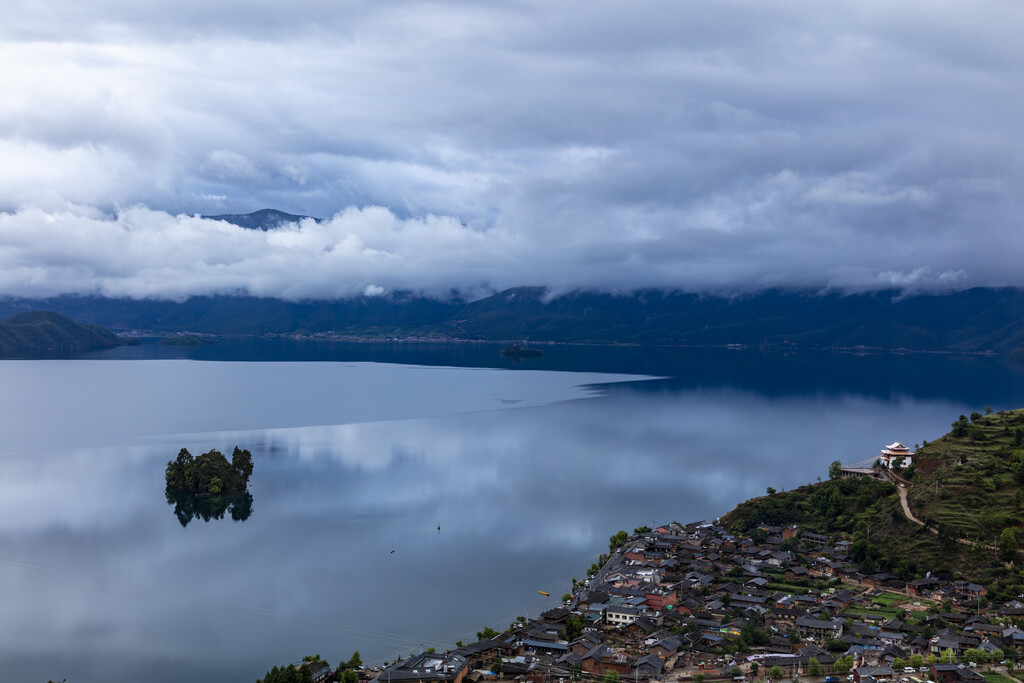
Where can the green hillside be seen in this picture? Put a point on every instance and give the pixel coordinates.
(47, 332)
(967, 487)
(969, 482)
(866, 511)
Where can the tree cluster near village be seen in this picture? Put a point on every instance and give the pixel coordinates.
(314, 668)
(833, 505)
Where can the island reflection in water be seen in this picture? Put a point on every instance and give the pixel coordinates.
(190, 506)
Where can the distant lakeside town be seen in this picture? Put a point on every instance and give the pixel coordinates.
(702, 602)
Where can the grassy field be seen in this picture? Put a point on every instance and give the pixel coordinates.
(993, 677)
(865, 611)
(788, 588)
(888, 599)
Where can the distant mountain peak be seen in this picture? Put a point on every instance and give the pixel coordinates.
(264, 219)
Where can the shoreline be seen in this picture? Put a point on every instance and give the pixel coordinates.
(768, 349)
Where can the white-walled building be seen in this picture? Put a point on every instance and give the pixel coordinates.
(892, 453)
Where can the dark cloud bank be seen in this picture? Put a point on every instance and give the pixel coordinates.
(724, 148)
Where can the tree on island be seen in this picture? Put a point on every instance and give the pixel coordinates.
(210, 473)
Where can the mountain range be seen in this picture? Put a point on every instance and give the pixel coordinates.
(971, 321)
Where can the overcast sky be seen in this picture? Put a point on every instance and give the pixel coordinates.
(707, 146)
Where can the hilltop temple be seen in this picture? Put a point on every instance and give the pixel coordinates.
(891, 455)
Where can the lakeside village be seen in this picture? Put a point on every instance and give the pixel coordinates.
(696, 603)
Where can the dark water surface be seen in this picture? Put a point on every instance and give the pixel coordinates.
(361, 451)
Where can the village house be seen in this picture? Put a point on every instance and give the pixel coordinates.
(601, 660)
(427, 668)
(877, 673)
(955, 673)
(620, 616)
(819, 628)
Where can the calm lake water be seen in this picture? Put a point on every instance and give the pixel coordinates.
(361, 452)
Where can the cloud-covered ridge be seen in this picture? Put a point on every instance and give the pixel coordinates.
(141, 253)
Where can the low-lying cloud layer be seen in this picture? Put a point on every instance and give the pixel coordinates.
(723, 147)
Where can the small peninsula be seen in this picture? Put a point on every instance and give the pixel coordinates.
(48, 332)
(187, 340)
(515, 351)
(209, 474)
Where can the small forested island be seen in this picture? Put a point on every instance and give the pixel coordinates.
(187, 340)
(904, 567)
(516, 350)
(208, 486)
(209, 473)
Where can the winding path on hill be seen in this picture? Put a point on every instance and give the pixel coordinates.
(903, 488)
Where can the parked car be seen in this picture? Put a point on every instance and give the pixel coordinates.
(924, 669)
(831, 679)
(909, 670)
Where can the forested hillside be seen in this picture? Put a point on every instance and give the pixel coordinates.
(973, 321)
(43, 331)
(966, 486)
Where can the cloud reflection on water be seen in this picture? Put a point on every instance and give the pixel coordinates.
(525, 497)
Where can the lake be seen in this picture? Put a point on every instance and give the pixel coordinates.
(361, 452)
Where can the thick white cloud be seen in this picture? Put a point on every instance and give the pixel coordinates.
(727, 146)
